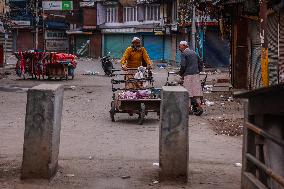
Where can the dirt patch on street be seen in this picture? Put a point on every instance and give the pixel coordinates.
(225, 115)
(229, 127)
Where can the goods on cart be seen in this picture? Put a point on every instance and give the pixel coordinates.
(135, 100)
(139, 94)
(40, 64)
(30, 63)
(61, 65)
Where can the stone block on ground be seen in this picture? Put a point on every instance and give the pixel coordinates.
(173, 147)
(42, 131)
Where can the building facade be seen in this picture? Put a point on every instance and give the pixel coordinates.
(95, 27)
(161, 25)
(84, 35)
(61, 26)
(155, 23)
(22, 32)
(256, 34)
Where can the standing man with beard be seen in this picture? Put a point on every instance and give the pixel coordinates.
(190, 67)
(134, 57)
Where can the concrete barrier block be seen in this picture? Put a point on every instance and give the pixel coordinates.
(42, 131)
(173, 145)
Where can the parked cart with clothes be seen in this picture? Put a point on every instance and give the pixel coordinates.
(140, 100)
(61, 66)
(41, 65)
(31, 64)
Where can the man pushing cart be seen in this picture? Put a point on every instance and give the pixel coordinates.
(138, 96)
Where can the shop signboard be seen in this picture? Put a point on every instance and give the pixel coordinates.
(54, 34)
(87, 4)
(21, 22)
(57, 5)
(56, 45)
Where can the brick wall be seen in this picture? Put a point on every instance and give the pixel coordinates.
(89, 17)
(25, 40)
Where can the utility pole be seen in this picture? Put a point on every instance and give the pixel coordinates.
(37, 20)
(264, 42)
(193, 27)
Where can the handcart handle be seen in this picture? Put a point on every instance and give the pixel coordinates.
(115, 70)
(122, 74)
(131, 89)
(115, 81)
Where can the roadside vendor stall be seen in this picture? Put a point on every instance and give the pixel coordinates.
(41, 65)
(61, 65)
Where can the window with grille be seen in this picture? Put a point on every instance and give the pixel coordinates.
(152, 12)
(130, 14)
(111, 14)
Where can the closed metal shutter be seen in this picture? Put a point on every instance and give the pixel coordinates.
(127, 39)
(216, 50)
(281, 48)
(272, 35)
(155, 46)
(255, 67)
(113, 45)
(255, 73)
(168, 48)
(178, 58)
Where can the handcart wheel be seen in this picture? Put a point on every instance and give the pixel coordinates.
(112, 111)
(142, 113)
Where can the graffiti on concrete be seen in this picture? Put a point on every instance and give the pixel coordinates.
(173, 117)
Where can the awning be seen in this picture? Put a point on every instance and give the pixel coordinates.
(89, 27)
(78, 32)
(56, 25)
(118, 30)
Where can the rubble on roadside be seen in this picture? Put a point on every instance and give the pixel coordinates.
(228, 127)
(208, 103)
(224, 113)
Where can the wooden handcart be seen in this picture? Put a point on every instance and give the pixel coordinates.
(141, 107)
(45, 64)
(61, 70)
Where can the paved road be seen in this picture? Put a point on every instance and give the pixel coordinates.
(96, 153)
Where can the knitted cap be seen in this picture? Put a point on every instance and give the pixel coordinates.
(135, 39)
(183, 43)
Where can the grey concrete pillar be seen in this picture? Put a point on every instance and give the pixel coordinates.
(42, 131)
(174, 134)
